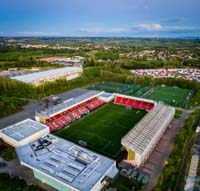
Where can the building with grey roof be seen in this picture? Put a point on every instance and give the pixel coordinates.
(23, 132)
(143, 137)
(49, 75)
(66, 166)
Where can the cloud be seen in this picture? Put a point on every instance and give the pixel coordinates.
(121, 30)
(148, 27)
(99, 30)
(140, 28)
(181, 29)
(157, 27)
(173, 20)
(34, 33)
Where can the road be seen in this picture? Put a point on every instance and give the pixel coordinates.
(181, 178)
(178, 123)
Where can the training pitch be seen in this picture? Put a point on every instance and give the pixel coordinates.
(103, 128)
(171, 95)
(115, 87)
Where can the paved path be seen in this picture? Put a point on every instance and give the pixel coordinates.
(176, 125)
(183, 169)
(189, 186)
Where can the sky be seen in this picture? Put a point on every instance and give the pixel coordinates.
(108, 18)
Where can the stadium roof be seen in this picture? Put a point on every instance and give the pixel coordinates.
(37, 76)
(69, 103)
(106, 95)
(67, 163)
(143, 133)
(23, 130)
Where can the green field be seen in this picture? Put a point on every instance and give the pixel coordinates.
(111, 87)
(114, 87)
(171, 95)
(103, 128)
(139, 91)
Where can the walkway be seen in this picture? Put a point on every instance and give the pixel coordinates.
(162, 151)
(189, 186)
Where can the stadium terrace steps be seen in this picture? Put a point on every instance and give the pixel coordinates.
(131, 102)
(65, 118)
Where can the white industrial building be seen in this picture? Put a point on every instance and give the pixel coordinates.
(50, 75)
(23, 132)
(66, 166)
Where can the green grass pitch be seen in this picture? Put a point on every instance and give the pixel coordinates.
(111, 87)
(103, 128)
(170, 95)
(115, 87)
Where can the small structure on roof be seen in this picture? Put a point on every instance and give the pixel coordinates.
(106, 97)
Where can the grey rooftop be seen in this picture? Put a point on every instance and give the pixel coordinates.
(68, 103)
(23, 129)
(37, 76)
(66, 162)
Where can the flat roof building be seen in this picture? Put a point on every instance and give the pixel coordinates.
(66, 166)
(49, 75)
(23, 132)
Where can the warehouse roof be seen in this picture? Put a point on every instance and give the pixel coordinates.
(67, 163)
(144, 132)
(69, 103)
(22, 130)
(37, 76)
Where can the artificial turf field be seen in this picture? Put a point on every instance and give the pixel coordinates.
(103, 128)
(171, 95)
(115, 87)
(111, 87)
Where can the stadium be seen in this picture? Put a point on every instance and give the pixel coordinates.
(91, 133)
(90, 119)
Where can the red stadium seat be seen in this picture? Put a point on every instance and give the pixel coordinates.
(134, 103)
(72, 114)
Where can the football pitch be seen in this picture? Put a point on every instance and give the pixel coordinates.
(111, 87)
(171, 95)
(103, 128)
(115, 87)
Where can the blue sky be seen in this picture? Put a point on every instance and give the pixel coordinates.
(128, 18)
